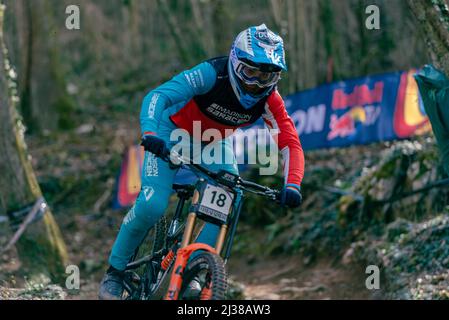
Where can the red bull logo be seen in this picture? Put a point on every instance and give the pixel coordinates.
(345, 125)
(362, 102)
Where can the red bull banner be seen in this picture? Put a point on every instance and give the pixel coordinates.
(359, 111)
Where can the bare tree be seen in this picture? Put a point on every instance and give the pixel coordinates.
(200, 27)
(175, 31)
(41, 248)
(45, 103)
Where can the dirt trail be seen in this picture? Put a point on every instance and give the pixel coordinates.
(285, 277)
(278, 277)
(274, 278)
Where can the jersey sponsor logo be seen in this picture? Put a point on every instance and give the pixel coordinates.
(225, 114)
(130, 216)
(152, 106)
(195, 78)
(148, 192)
(151, 168)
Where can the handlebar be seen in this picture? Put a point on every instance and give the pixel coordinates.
(178, 160)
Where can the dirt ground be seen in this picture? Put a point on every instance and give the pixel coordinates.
(272, 278)
(268, 280)
(286, 277)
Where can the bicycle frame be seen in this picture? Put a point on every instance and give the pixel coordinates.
(178, 250)
(187, 248)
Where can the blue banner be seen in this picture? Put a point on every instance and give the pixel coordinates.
(358, 111)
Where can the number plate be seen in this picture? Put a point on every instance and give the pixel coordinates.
(216, 202)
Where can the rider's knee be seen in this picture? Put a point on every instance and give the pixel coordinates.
(151, 204)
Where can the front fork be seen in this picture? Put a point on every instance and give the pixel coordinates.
(180, 264)
(186, 249)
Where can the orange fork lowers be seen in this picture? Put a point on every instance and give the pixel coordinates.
(182, 258)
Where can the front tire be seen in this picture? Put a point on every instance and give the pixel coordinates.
(209, 271)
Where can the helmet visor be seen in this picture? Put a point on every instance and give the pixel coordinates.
(253, 75)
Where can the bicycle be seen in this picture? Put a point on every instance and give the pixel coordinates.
(169, 272)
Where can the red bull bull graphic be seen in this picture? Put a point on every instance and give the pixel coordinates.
(345, 126)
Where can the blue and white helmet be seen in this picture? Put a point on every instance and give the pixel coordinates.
(257, 57)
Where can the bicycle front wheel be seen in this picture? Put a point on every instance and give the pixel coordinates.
(204, 278)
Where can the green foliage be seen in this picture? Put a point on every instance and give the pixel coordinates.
(327, 223)
(404, 167)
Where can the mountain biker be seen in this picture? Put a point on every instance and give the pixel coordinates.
(221, 93)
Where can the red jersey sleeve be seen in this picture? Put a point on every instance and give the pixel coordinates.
(286, 137)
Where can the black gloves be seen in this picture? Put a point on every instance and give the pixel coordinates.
(290, 197)
(155, 145)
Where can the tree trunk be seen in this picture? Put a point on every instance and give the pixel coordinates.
(222, 19)
(176, 32)
(291, 45)
(200, 31)
(45, 103)
(41, 248)
(433, 17)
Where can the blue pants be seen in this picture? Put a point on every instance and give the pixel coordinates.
(157, 180)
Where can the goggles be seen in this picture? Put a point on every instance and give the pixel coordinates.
(254, 75)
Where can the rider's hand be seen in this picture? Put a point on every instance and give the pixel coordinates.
(291, 197)
(154, 145)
